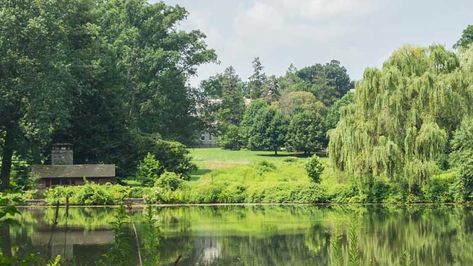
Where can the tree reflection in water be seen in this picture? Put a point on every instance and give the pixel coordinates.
(243, 235)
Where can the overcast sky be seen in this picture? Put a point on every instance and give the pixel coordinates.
(358, 33)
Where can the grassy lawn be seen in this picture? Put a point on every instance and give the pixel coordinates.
(244, 168)
(210, 159)
(216, 158)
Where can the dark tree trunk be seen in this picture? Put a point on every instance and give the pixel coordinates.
(276, 152)
(7, 158)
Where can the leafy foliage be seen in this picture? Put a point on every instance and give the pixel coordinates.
(466, 38)
(99, 74)
(169, 180)
(268, 131)
(462, 156)
(314, 168)
(148, 170)
(230, 139)
(306, 132)
(87, 194)
(402, 116)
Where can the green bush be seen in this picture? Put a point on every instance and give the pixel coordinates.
(314, 168)
(441, 188)
(264, 166)
(87, 194)
(149, 170)
(169, 180)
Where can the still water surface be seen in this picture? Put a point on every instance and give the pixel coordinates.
(241, 235)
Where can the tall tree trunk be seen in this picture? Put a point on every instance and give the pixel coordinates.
(276, 152)
(7, 158)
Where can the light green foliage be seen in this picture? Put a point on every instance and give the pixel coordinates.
(314, 168)
(88, 194)
(402, 117)
(55, 262)
(169, 180)
(306, 132)
(243, 176)
(148, 170)
(462, 157)
(295, 101)
(7, 205)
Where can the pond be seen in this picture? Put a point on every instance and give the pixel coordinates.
(241, 235)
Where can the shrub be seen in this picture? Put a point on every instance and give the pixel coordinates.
(87, 194)
(149, 170)
(264, 166)
(314, 168)
(169, 180)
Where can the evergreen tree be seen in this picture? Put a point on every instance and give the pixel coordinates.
(257, 80)
(232, 103)
(271, 89)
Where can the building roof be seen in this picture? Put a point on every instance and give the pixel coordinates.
(76, 170)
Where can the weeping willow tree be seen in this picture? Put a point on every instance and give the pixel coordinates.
(403, 116)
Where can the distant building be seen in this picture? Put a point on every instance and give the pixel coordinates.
(206, 139)
(63, 171)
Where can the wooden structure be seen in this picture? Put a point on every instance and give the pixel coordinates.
(62, 171)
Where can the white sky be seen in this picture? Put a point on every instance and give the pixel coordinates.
(358, 33)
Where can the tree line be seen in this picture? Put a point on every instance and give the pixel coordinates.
(294, 110)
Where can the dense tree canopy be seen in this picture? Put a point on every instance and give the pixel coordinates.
(307, 131)
(327, 82)
(100, 74)
(268, 130)
(403, 116)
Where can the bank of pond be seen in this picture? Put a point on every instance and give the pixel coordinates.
(240, 235)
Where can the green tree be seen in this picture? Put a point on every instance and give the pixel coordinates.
(314, 168)
(154, 60)
(291, 82)
(333, 113)
(462, 157)
(36, 39)
(268, 131)
(256, 80)
(466, 38)
(230, 139)
(232, 105)
(327, 82)
(306, 132)
(148, 170)
(402, 116)
(295, 101)
(271, 90)
(249, 119)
